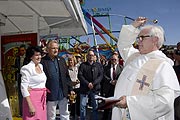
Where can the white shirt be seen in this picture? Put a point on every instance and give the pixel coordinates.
(22, 60)
(158, 103)
(73, 73)
(31, 79)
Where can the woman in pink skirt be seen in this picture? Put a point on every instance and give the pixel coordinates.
(33, 86)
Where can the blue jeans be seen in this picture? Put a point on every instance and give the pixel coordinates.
(83, 105)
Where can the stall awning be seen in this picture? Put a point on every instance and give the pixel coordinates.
(63, 17)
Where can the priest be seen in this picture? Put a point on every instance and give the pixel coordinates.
(5, 112)
(148, 84)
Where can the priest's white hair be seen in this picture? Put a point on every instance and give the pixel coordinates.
(156, 31)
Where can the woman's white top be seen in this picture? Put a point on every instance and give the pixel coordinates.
(31, 79)
(73, 73)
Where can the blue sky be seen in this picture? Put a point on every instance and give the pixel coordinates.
(167, 12)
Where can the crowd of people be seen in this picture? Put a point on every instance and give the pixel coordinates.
(146, 83)
(56, 82)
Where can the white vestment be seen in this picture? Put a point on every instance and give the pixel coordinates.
(158, 103)
(5, 112)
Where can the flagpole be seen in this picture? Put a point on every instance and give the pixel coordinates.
(95, 41)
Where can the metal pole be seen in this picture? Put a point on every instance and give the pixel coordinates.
(95, 41)
(110, 29)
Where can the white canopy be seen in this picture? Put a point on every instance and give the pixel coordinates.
(62, 17)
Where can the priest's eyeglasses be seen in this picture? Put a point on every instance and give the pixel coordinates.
(142, 37)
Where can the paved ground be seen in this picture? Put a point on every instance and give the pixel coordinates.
(89, 115)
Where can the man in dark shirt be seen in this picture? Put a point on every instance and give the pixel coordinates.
(58, 82)
(111, 74)
(19, 62)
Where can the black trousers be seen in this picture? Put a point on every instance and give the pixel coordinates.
(75, 107)
(177, 108)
